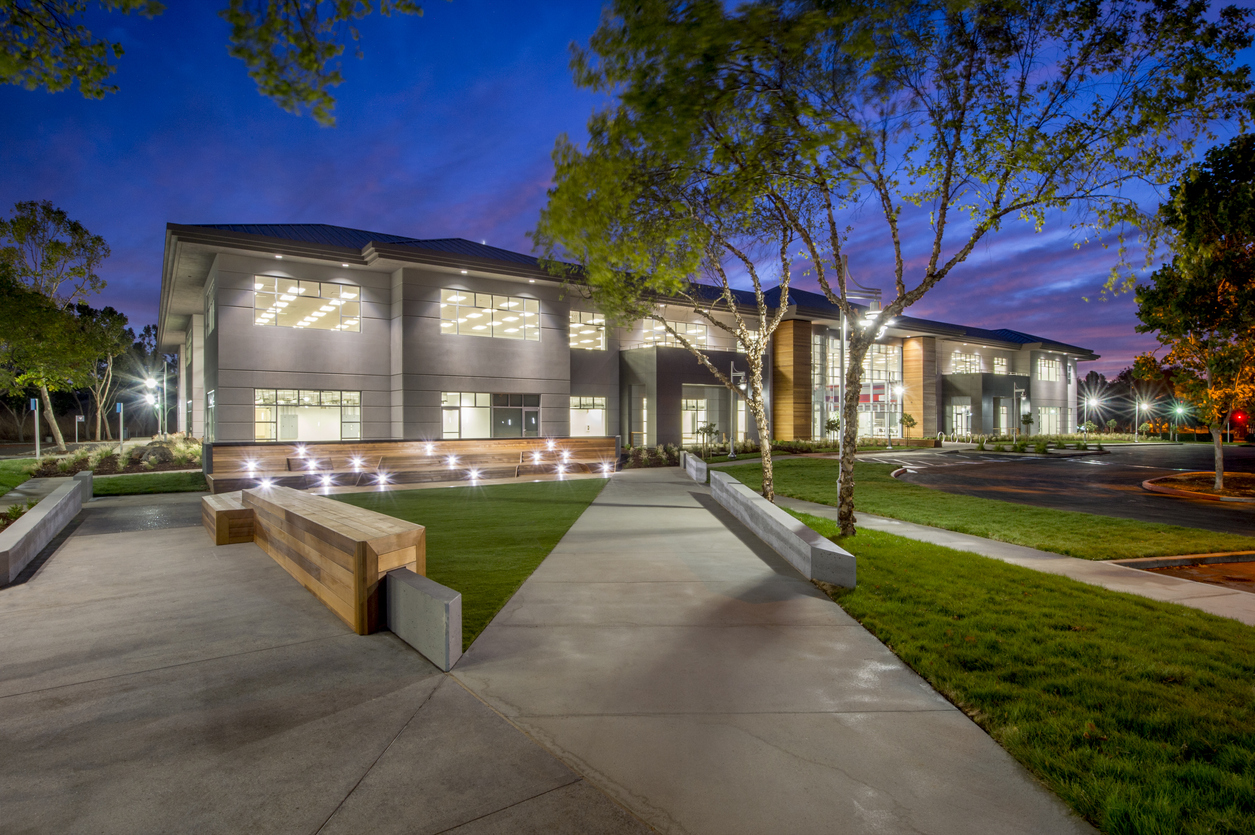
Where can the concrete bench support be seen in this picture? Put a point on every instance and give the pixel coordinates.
(816, 557)
(22, 541)
(426, 615)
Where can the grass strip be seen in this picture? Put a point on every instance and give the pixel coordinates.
(1139, 714)
(1083, 535)
(145, 483)
(485, 541)
(13, 472)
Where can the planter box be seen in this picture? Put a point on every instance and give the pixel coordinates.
(22, 541)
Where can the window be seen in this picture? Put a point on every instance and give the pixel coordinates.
(657, 334)
(1048, 420)
(479, 314)
(306, 415)
(588, 417)
(883, 363)
(962, 363)
(692, 417)
(588, 330)
(1048, 370)
(470, 414)
(1000, 365)
(318, 305)
(210, 428)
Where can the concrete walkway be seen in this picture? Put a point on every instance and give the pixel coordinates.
(664, 653)
(150, 682)
(1217, 600)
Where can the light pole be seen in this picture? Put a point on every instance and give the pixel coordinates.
(1180, 412)
(151, 399)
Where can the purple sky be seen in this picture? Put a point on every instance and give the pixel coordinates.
(445, 130)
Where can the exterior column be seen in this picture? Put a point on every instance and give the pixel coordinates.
(919, 381)
(791, 381)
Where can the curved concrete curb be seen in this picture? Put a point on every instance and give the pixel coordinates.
(899, 471)
(1150, 485)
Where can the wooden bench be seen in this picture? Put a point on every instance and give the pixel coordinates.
(338, 552)
(226, 518)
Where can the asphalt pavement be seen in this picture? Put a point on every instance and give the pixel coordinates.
(1107, 484)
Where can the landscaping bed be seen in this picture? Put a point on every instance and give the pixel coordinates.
(12, 513)
(485, 541)
(1139, 714)
(1236, 485)
(1085, 535)
(157, 456)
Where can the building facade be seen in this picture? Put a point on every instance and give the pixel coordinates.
(308, 332)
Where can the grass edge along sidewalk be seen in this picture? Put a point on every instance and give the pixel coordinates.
(1139, 714)
(485, 541)
(1084, 535)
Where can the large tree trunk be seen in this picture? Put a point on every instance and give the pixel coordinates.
(756, 405)
(52, 419)
(1217, 440)
(849, 435)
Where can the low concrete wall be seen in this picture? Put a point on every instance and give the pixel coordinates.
(814, 556)
(694, 466)
(22, 541)
(426, 615)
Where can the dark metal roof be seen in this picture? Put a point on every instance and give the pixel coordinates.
(322, 233)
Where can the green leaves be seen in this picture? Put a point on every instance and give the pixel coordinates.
(51, 254)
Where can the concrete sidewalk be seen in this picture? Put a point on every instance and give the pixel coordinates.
(150, 682)
(1217, 600)
(663, 652)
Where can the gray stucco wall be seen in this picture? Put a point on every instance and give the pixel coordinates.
(247, 356)
(662, 373)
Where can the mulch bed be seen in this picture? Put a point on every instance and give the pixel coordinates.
(109, 466)
(1241, 485)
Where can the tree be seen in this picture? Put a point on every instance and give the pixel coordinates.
(908, 423)
(832, 426)
(54, 257)
(1201, 305)
(969, 114)
(291, 47)
(108, 338)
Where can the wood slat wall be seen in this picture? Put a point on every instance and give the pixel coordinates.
(791, 381)
(338, 552)
(228, 521)
(919, 373)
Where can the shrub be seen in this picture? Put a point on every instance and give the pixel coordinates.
(657, 458)
(980, 443)
(1000, 448)
(1041, 447)
(671, 454)
(1020, 445)
(636, 456)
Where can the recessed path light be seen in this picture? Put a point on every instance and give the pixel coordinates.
(280, 257)
(344, 265)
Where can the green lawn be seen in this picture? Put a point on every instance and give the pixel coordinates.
(144, 483)
(485, 541)
(1139, 714)
(13, 472)
(1084, 535)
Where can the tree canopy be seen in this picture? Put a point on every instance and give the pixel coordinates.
(290, 47)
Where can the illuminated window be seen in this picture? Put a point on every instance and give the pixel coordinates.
(313, 305)
(588, 330)
(464, 313)
(306, 415)
(1049, 370)
(470, 414)
(962, 363)
(657, 334)
(588, 417)
(1048, 420)
(1000, 365)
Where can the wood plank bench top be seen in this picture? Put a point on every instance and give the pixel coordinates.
(226, 518)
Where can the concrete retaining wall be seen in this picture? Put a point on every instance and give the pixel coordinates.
(694, 466)
(426, 615)
(84, 480)
(814, 556)
(22, 541)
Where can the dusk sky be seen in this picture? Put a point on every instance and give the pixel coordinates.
(445, 130)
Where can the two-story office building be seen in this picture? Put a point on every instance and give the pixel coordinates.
(309, 332)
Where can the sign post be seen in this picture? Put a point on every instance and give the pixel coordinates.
(119, 435)
(35, 408)
(77, 420)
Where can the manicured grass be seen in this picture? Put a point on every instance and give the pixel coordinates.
(1083, 535)
(485, 541)
(1139, 714)
(144, 483)
(13, 472)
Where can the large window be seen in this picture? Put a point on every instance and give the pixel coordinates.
(471, 414)
(962, 363)
(1000, 365)
(481, 314)
(211, 306)
(656, 334)
(588, 330)
(588, 417)
(1049, 370)
(883, 363)
(1048, 418)
(317, 305)
(306, 415)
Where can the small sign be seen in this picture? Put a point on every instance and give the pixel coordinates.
(79, 418)
(34, 404)
(119, 408)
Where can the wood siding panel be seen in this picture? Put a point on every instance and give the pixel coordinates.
(919, 372)
(791, 381)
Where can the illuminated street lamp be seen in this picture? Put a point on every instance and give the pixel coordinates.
(1179, 412)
